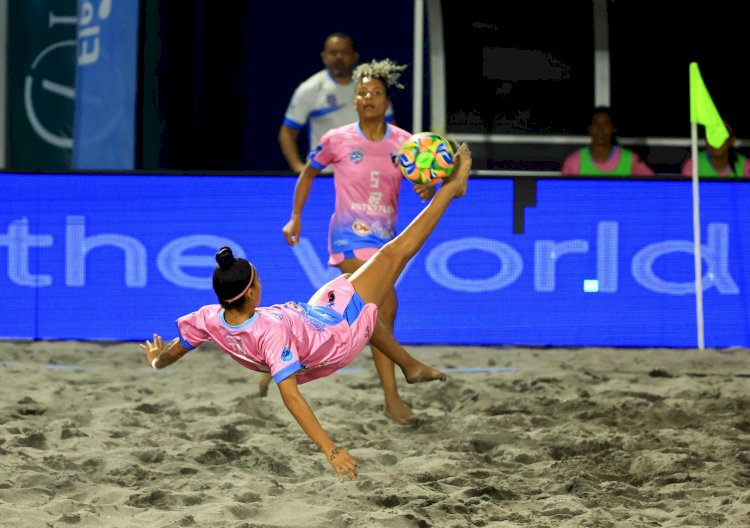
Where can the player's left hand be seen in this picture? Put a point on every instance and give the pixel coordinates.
(343, 463)
(425, 192)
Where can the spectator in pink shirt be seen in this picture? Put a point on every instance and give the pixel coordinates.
(603, 157)
(299, 342)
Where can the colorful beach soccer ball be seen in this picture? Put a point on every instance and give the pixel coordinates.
(426, 158)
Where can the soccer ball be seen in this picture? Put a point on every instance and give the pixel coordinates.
(426, 158)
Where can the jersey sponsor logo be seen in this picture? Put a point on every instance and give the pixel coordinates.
(369, 208)
(235, 343)
(356, 155)
(294, 306)
(286, 354)
(317, 313)
(311, 315)
(317, 319)
(361, 228)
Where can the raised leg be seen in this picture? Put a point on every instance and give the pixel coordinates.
(378, 275)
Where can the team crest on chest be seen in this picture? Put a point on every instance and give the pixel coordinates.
(394, 158)
(356, 155)
(331, 100)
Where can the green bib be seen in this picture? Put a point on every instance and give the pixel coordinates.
(705, 168)
(623, 168)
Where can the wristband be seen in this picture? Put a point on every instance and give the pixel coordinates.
(153, 361)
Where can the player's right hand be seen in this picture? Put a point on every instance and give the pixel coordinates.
(291, 231)
(153, 349)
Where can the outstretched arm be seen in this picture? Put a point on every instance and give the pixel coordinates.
(339, 457)
(160, 358)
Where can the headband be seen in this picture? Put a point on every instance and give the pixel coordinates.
(249, 283)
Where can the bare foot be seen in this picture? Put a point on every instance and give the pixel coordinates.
(399, 412)
(265, 381)
(420, 373)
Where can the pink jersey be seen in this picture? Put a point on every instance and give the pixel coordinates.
(310, 340)
(572, 164)
(367, 180)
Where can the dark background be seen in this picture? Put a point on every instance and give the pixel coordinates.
(217, 77)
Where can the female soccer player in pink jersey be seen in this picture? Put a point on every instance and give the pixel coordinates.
(367, 179)
(300, 342)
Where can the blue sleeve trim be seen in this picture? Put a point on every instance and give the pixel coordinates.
(287, 371)
(186, 344)
(292, 124)
(316, 164)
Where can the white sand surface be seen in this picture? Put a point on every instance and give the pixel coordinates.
(91, 436)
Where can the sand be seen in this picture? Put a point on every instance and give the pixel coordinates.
(91, 436)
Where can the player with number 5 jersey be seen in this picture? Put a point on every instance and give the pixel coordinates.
(367, 180)
(367, 187)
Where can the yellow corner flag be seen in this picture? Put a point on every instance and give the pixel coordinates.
(703, 111)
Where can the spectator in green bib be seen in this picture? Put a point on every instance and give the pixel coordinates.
(603, 157)
(722, 162)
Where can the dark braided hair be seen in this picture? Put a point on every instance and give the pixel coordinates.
(231, 277)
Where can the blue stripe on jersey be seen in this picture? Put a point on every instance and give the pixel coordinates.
(287, 371)
(241, 326)
(324, 111)
(186, 344)
(315, 164)
(292, 124)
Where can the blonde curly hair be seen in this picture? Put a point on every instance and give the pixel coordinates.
(386, 70)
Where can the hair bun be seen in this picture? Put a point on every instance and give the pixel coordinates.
(225, 257)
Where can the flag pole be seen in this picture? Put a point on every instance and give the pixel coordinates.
(697, 235)
(703, 111)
